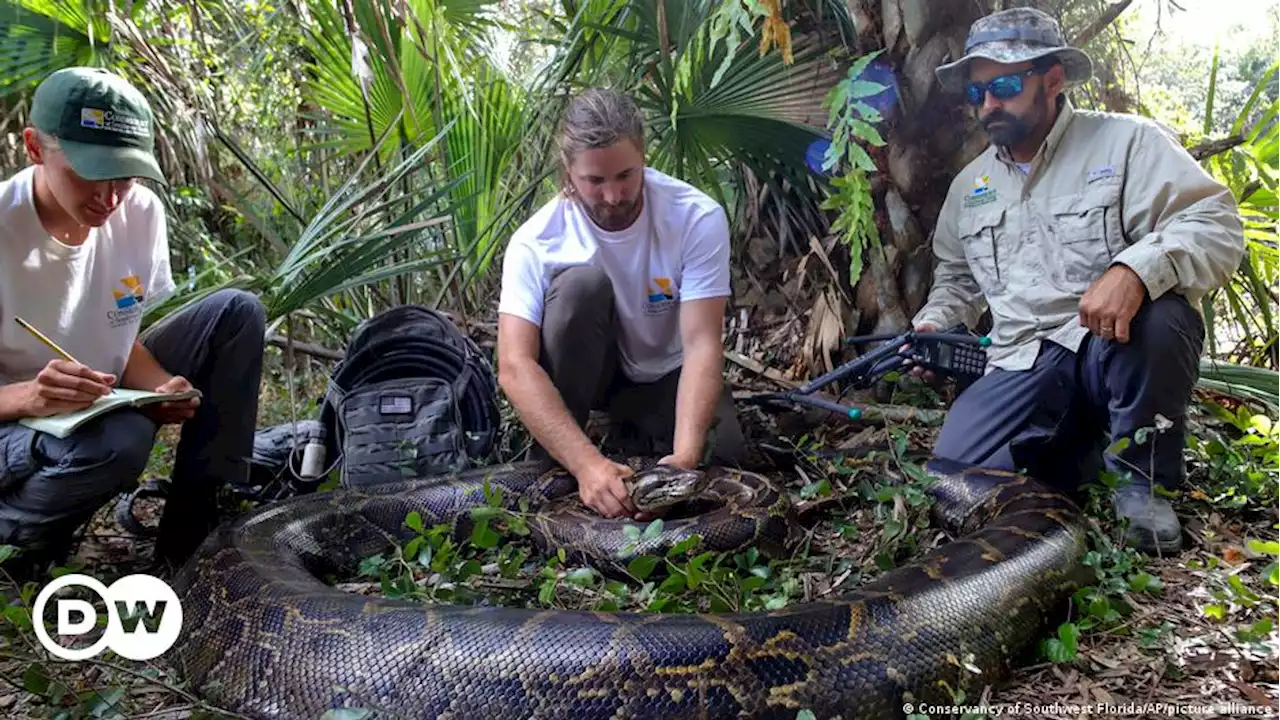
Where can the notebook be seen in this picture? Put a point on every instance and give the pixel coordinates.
(63, 424)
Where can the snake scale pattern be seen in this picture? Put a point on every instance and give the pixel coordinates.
(264, 636)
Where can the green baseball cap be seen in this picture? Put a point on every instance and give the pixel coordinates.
(103, 124)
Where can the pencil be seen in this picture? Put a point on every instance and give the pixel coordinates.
(52, 345)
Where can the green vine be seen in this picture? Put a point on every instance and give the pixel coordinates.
(851, 119)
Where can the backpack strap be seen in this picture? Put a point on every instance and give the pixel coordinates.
(333, 393)
(476, 444)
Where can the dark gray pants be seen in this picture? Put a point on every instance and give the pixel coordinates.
(1054, 419)
(50, 486)
(580, 353)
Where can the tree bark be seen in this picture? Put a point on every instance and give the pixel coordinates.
(929, 137)
(1213, 147)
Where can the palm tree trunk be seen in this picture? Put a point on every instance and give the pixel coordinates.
(929, 138)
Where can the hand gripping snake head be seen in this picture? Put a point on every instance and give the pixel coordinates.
(663, 486)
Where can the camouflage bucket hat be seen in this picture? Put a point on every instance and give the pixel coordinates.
(1014, 36)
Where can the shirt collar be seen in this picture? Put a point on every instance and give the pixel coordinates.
(1051, 141)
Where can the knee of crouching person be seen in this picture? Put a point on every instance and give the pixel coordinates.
(122, 444)
(138, 434)
(245, 308)
(1169, 324)
(583, 285)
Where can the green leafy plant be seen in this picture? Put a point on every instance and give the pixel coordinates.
(1241, 600)
(1235, 466)
(1252, 171)
(851, 119)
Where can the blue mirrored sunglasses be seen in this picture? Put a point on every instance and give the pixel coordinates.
(1002, 87)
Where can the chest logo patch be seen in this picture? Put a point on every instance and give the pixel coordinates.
(662, 296)
(982, 192)
(132, 295)
(1105, 171)
(128, 304)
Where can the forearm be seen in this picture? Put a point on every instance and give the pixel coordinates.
(1196, 254)
(951, 303)
(1184, 225)
(701, 381)
(543, 413)
(142, 371)
(12, 405)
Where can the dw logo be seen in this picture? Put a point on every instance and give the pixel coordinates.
(144, 617)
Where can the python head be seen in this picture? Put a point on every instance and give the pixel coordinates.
(661, 486)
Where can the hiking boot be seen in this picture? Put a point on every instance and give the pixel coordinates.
(1153, 526)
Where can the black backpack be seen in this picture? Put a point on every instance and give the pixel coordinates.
(413, 396)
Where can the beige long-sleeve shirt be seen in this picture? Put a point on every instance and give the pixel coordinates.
(1103, 189)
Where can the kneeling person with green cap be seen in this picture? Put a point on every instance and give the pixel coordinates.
(83, 252)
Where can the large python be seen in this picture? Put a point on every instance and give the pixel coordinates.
(265, 637)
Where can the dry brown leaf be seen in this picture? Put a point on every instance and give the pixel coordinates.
(775, 30)
(1106, 662)
(825, 332)
(800, 273)
(815, 248)
(1255, 694)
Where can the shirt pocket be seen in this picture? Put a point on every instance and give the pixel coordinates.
(982, 230)
(1086, 231)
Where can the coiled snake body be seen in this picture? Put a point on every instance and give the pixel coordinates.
(264, 636)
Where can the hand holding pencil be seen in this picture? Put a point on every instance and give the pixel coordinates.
(64, 384)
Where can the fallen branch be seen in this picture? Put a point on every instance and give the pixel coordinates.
(902, 414)
(1213, 147)
(1097, 26)
(757, 367)
(306, 348)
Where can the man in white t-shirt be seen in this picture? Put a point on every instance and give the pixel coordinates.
(83, 252)
(613, 297)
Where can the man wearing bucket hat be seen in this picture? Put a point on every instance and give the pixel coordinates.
(83, 253)
(1092, 238)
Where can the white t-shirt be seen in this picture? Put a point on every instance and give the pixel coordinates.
(88, 298)
(676, 250)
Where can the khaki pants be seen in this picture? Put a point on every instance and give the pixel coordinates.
(579, 352)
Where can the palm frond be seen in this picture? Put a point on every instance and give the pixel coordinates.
(1242, 382)
(38, 37)
(351, 239)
